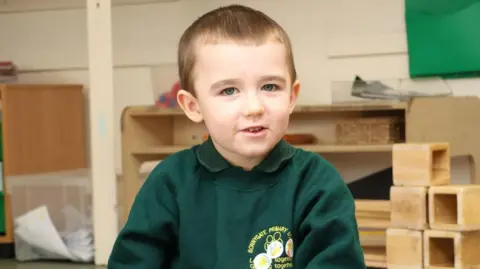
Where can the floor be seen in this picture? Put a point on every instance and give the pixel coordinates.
(9, 264)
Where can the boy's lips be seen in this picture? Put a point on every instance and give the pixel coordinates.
(254, 131)
(253, 128)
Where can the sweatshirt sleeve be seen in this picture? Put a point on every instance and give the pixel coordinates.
(328, 229)
(148, 238)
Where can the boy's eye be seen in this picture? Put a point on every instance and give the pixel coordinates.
(228, 91)
(269, 87)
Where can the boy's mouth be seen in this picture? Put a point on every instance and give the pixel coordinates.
(254, 129)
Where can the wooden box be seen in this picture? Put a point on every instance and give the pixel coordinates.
(454, 207)
(447, 249)
(421, 164)
(404, 249)
(409, 207)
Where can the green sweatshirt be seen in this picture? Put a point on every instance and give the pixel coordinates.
(196, 210)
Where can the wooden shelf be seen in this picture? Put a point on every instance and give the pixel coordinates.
(152, 111)
(164, 151)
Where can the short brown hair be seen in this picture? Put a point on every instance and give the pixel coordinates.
(235, 23)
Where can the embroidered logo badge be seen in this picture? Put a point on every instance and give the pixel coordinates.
(271, 248)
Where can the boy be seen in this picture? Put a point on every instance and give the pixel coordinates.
(244, 198)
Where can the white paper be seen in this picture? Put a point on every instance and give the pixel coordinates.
(41, 240)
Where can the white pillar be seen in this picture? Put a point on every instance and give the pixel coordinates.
(101, 103)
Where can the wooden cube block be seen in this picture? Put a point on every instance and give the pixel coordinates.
(421, 164)
(409, 207)
(447, 249)
(454, 207)
(404, 249)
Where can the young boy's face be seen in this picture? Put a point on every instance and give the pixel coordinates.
(245, 95)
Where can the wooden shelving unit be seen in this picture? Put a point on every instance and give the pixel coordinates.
(162, 152)
(43, 130)
(150, 133)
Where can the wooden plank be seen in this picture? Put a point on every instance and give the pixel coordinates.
(375, 256)
(101, 127)
(149, 111)
(372, 214)
(373, 237)
(373, 223)
(372, 205)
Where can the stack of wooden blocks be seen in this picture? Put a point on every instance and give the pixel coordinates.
(434, 224)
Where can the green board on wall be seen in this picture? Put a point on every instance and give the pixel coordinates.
(443, 37)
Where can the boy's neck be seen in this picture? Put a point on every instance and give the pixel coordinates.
(209, 155)
(246, 163)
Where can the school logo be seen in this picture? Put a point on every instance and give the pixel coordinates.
(271, 248)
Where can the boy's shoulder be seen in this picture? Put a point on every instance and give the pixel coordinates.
(309, 162)
(175, 170)
(176, 165)
(307, 157)
(314, 172)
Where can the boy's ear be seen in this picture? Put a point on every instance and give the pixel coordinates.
(294, 95)
(190, 105)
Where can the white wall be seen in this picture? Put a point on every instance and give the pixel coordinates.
(333, 41)
(368, 38)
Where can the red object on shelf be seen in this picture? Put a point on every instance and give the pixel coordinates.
(169, 99)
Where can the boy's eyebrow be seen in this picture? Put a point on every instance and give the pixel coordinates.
(224, 82)
(231, 81)
(274, 78)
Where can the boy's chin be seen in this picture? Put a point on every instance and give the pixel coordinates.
(255, 151)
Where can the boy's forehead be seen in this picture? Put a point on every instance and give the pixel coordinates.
(225, 59)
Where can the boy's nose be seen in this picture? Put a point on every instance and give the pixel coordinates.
(253, 107)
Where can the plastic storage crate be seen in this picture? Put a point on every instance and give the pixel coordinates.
(61, 193)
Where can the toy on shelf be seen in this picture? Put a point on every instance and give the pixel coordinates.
(8, 72)
(169, 99)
